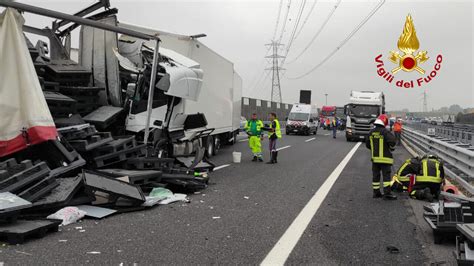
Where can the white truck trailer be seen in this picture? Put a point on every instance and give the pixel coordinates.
(361, 111)
(198, 80)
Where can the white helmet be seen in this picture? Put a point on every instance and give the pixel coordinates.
(379, 122)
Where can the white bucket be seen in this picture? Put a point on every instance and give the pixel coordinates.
(237, 156)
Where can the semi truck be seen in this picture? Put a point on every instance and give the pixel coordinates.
(197, 96)
(361, 111)
(327, 112)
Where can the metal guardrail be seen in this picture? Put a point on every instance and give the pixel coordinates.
(459, 161)
(461, 133)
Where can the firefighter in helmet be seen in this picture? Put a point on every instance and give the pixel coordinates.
(380, 142)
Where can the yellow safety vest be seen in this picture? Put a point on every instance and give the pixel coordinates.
(429, 174)
(277, 129)
(377, 155)
(259, 126)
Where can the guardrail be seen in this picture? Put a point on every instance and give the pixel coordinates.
(459, 161)
(459, 133)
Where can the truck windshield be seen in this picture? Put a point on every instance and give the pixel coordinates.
(298, 116)
(364, 110)
(328, 113)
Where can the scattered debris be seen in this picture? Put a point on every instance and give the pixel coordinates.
(68, 215)
(393, 250)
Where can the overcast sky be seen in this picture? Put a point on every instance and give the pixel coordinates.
(238, 30)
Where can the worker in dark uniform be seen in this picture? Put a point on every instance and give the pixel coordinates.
(427, 185)
(380, 141)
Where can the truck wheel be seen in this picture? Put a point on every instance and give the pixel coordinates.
(348, 139)
(210, 146)
(316, 131)
(287, 133)
(217, 145)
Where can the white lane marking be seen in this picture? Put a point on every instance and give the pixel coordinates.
(283, 248)
(282, 148)
(326, 134)
(221, 166)
(311, 139)
(243, 140)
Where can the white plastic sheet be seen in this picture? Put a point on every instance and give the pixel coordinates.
(25, 117)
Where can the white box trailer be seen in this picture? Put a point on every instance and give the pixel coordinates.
(221, 91)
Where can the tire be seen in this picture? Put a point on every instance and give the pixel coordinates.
(209, 146)
(217, 145)
(287, 133)
(349, 139)
(316, 132)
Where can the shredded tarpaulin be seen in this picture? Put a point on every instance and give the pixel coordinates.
(25, 115)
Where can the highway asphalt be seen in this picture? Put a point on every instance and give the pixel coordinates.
(247, 209)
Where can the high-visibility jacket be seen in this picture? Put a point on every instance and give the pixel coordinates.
(397, 127)
(410, 166)
(432, 171)
(379, 141)
(275, 125)
(259, 126)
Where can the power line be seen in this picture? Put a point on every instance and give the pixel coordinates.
(293, 33)
(306, 19)
(277, 20)
(341, 44)
(258, 78)
(284, 22)
(315, 36)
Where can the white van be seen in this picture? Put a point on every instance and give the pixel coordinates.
(303, 119)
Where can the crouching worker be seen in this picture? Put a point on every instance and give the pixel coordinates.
(401, 180)
(253, 127)
(427, 184)
(380, 142)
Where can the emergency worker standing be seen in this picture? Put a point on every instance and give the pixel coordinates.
(380, 142)
(253, 127)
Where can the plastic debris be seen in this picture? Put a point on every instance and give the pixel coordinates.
(68, 215)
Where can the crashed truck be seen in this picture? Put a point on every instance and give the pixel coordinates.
(197, 96)
(197, 93)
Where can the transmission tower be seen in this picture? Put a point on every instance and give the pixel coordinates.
(276, 89)
(425, 102)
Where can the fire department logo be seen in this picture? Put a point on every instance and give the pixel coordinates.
(408, 59)
(408, 43)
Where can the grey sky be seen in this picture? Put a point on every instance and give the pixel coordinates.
(238, 30)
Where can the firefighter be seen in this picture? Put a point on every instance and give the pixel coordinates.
(397, 130)
(427, 185)
(401, 179)
(274, 133)
(253, 127)
(380, 141)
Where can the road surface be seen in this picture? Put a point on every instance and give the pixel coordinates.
(314, 207)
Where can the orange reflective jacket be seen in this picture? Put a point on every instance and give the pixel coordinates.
(397, 127)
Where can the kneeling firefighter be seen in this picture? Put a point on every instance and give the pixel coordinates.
(427, 185)
(380, 142)
(401, 180)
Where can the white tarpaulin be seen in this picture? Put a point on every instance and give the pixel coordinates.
(25, 117)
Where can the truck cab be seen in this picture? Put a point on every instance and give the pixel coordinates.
(327, 112)
(364, 107)
(302, 119)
